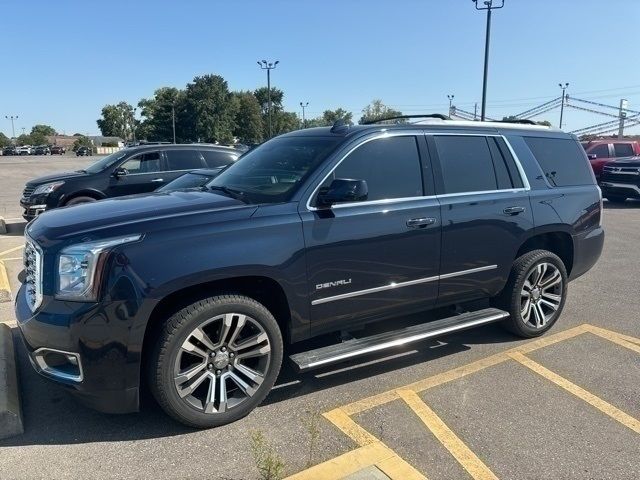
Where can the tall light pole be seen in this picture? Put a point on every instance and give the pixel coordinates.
(563, 87)
(133, 123)
(304, 121)
(268, 66)
(13, 128)
(487, 5)
(450, 97)
(173, 120)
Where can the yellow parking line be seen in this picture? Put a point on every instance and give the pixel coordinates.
(626, 341)
(606, 408)
(376, 454)
(15, 249)
(463, 454)
(459, 372)
(5, 286)
(350, 428)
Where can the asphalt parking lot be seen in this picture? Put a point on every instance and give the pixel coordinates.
(478, 404)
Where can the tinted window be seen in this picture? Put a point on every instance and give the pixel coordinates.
(623, 149)
(600, 151)
(390, 166)
(143, 163)
(183, 159)
(562, 161)
(514, 173)
(215, 159)
(188, 180)
(466, 163)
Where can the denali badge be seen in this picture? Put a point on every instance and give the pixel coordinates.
(337, 283)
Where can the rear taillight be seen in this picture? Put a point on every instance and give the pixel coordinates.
(601, 206)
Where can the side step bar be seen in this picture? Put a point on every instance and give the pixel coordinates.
(362, 346)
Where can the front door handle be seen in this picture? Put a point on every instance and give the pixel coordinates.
(420, 222)
(157, 180)
(513, 210)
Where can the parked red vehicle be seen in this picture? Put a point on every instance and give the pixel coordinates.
(601, 152)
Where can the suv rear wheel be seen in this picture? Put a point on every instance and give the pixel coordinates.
(215, 360)
(535, 293)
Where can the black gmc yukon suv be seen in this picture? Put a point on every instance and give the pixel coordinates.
(321, 230)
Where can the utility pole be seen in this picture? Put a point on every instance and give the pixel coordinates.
(304, 121)
(268, 66)
(133, 124)
(173, 120)
(622, 113)
(450, 97)
(23, 129)
(475, 112)
(13, 128)
(488, 6)
(564, 88)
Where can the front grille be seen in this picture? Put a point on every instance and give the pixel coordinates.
(33, 278)
(28, 190)
(621, 174)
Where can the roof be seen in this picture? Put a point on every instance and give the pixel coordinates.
(173, 146)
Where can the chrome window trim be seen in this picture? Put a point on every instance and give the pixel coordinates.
(394, 285)
(412, 133)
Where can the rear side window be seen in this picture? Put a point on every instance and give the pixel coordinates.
(216, 159)
(623, 149)
(562, 161)
(466, 163)
(390, 166)
(183, 159)
(143, 163)
(600, 151)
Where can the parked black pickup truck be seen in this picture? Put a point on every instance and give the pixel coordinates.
(621, 179)
(321, 230)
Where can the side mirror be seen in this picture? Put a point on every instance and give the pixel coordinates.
(343, 190)
(120, 172)
(592, 156)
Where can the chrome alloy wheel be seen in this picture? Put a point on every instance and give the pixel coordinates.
(541, 295)
(222, 363)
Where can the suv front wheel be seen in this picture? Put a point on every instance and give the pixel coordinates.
(535, 293)
(215, 360)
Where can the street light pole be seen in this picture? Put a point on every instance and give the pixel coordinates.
(173, 120)
(268, 66)
(133, 124)
(488, 6)
(563, 87)
(304, 121)
(450, 97)
(13, 128)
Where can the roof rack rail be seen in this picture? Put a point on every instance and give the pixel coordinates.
(523, 121)
(402, 117)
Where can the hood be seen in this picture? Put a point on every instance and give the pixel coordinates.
(625, 162)
(54, 177)
(144, 212)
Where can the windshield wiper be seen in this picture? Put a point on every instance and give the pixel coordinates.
(231, 192)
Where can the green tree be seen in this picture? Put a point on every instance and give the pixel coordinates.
(248, 122)
(82, 141)
(210, 109)
(43, 130)
(4, 140)
(24, 139)
(117, 121)
(282, 122)
(277, 96)
(329, 117)
(377, 110)
(158, 113)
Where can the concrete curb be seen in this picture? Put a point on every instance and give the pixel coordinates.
(10, 408)
(3, 226)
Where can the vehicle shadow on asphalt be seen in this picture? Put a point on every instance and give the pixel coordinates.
(54, 417)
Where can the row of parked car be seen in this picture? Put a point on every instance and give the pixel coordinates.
(616, 165)
(34, 150)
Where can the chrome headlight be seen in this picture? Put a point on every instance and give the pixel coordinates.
(79, 267)
(47, 188)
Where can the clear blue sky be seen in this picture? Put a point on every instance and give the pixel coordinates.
(63, 60)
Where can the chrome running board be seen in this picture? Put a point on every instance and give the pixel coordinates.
(366, 345)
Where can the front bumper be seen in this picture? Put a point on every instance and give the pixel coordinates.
(628, 190)
(109, 380)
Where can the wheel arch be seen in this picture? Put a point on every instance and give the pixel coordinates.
(559, 242)
(96, 194)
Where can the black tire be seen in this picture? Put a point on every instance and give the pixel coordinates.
(79, 200)
(179, 328)
(511, 297)
(616, 198)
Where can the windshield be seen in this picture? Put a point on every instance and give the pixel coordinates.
(188, 180)
(272, 172)
(105, 162)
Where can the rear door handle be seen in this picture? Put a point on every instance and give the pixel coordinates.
(513, 210)
(420, 222)
(157, 180)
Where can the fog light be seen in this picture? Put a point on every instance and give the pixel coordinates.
(58, 364)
